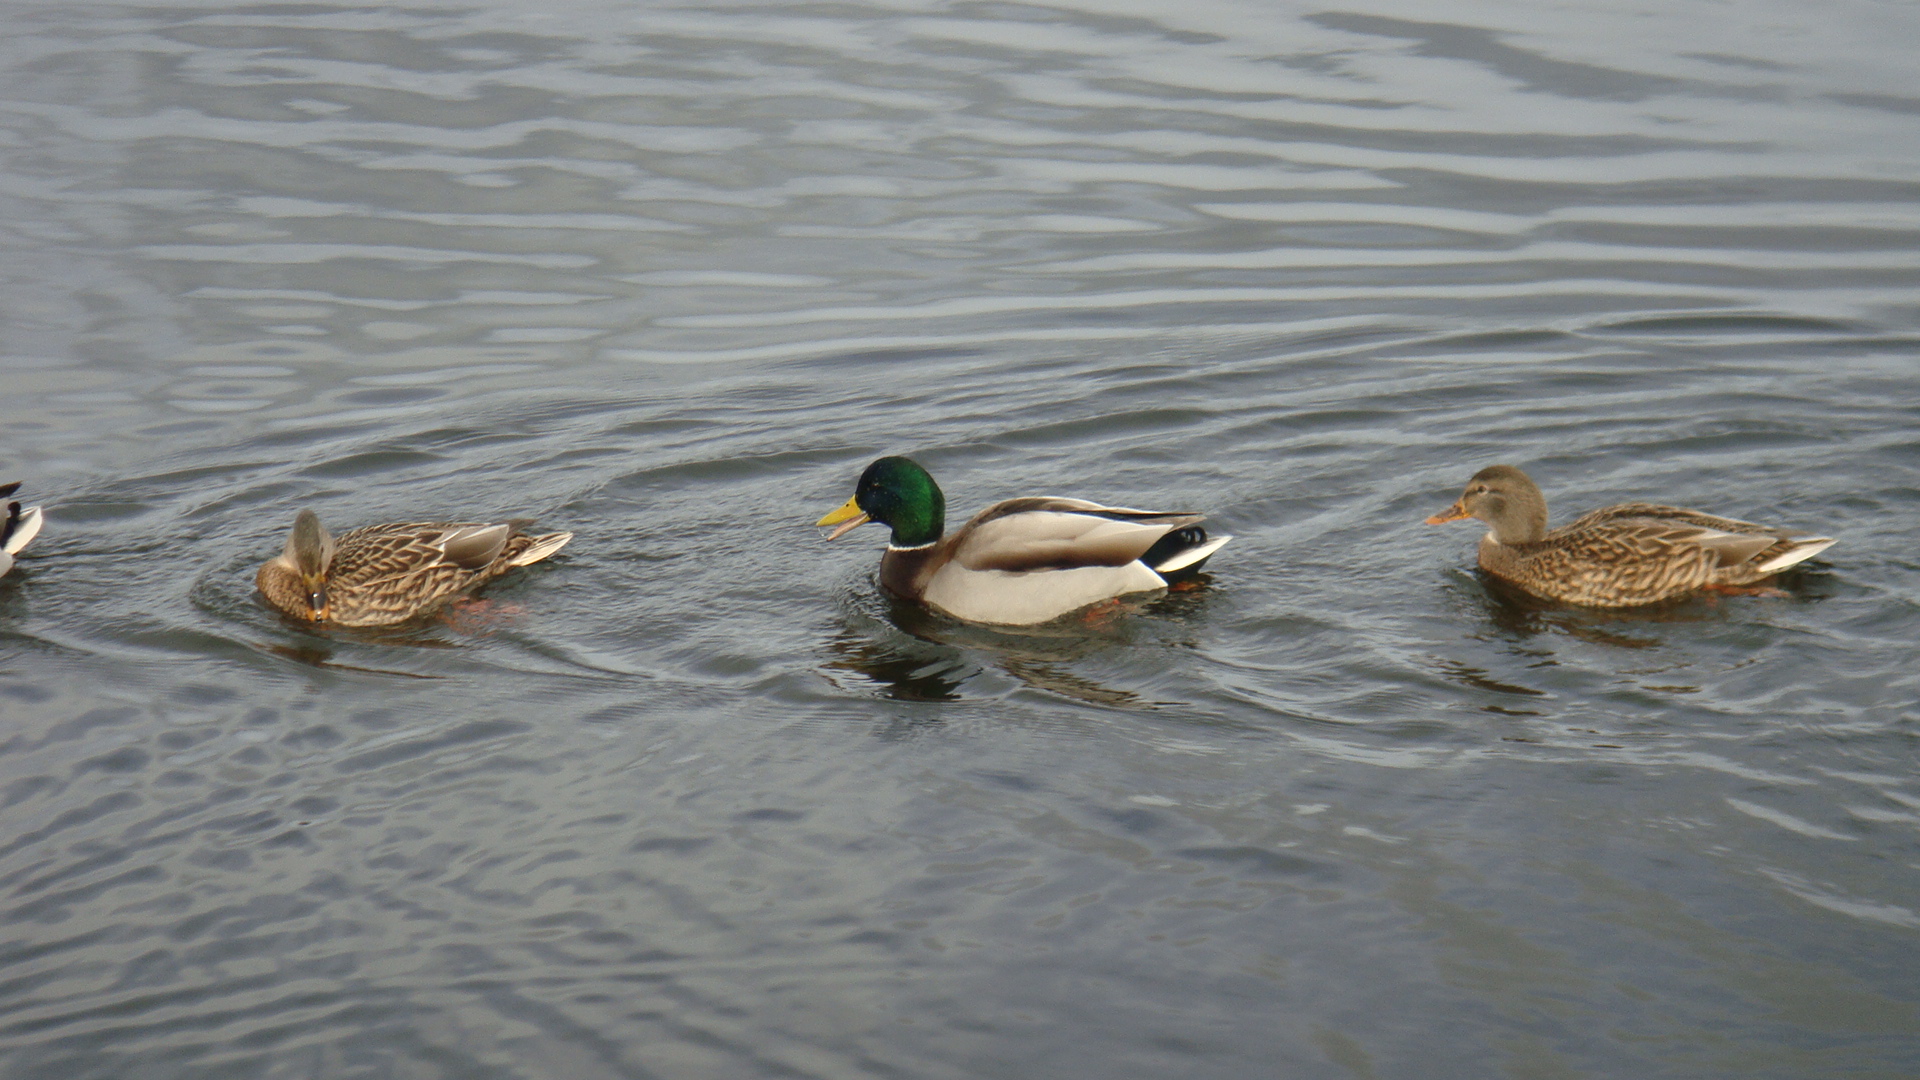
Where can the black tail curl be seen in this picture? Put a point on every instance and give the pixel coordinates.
(1172, 544)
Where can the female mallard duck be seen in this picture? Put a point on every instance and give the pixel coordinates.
(1634, 553)
(18, 527)
(383, 574)
(1018, 562)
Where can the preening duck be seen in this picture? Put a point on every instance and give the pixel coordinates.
(384, 574)
(17, 528)
(1022, 561)
(1619, 556)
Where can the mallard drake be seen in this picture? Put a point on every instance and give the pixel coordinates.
(17, 528)
(1018, 562)
(1633, 553)
(378, 575)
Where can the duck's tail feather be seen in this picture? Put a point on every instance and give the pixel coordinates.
(1799, 550)
(541, 547)
(1182, 551)
(19, 527)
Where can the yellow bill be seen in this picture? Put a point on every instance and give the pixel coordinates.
(1456, 512)
(849, 517)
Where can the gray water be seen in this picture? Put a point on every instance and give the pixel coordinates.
(694, 800)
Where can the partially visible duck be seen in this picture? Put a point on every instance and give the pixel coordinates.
(378, 575)
(17, 528)
(1633, 553)
(1022, 561)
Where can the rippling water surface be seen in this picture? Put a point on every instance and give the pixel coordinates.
(694, 800)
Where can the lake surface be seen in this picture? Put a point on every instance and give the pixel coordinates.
(694, 800)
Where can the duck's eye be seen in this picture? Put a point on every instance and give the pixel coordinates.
(1481, 490)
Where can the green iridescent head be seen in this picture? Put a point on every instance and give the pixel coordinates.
(898, 493)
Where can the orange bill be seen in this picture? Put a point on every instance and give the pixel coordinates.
(1456, 512)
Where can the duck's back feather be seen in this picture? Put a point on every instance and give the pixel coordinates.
(1739, 544)
(1657, 512)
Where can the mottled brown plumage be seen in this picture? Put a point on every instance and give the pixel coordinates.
(384, 574)
(1619, 556)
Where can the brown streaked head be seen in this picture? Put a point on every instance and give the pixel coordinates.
(309, 552)
(1505, 498)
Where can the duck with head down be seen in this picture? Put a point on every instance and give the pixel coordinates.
(379, 575)
(1619, 556)
(1022, 561)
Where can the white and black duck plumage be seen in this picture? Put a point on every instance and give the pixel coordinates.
(1019, 562)
(18, 528)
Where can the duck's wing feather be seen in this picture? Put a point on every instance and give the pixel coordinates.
(378, 553)
(474, 547)
(1639, 532)
(1652, 531)
(1677, 515)
(1050, 533)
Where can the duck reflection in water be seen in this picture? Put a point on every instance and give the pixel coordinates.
(918, 655)
(319, 649)
(320, 656)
